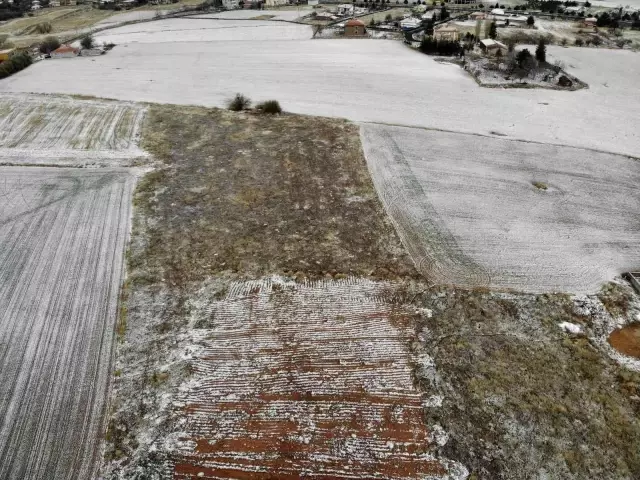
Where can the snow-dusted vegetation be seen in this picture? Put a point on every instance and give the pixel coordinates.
(58, 130)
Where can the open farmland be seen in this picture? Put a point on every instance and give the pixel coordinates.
(293, 379)
(62, 238)
(481, 211)
(262, 296)
(67, 131)
(365, 80)
(289, 14)
(197, 29)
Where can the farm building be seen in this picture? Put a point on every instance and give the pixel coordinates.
(590, 22)
(478, 16)
(354, 28)
(65, 51)
(4, 54)
(447, 32)
(492, 47)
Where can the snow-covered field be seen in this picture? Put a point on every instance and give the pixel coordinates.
(363, 80)
(278, 14)
(467, 209)
(62, 238)
(194, 29)
(38, 129)
(128, 17)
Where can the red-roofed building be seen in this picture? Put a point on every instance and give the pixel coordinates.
(354, 28)
(65, 51)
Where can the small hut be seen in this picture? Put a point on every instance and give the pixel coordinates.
(354, 28)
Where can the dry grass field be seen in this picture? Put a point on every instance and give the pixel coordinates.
(62, 238)
(272, 345)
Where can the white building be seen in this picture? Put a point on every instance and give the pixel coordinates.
(275, 3)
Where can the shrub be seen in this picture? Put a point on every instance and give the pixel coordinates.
(87, 41)
(541, 51)
(579, 42)
(49, 44)
(239, 103)
(271, 107)
(44, 27)
(523, 56)
(439, 47)
(596, 40)
(15, 63)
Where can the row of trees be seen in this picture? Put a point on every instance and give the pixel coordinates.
(430, 46)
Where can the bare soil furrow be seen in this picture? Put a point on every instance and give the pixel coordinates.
(298, 399)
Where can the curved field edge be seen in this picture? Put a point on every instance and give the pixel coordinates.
(481, 211)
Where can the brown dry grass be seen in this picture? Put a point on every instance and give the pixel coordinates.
(253, 195)
(524, 396)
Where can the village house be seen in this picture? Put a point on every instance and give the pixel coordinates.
(590, 22)
(65, 51)
(354, 28)
(492, 47)
(447, 32)
(478, 16)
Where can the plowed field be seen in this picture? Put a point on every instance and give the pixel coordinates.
(305, 381)
(62, 237)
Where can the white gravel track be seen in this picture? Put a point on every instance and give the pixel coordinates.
(62, 239)
(467, 210)
(364, 80)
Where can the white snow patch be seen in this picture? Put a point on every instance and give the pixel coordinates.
(569, 327)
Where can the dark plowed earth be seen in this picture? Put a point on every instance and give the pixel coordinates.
(308, 381)
(62, 235)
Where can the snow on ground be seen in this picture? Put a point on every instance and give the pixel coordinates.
(633, 4)
(129, 17)
(37, 129)
(62, 239)
(362, 80)
(204, 30)
(313, 377)
(467, 209)
(278, 14)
